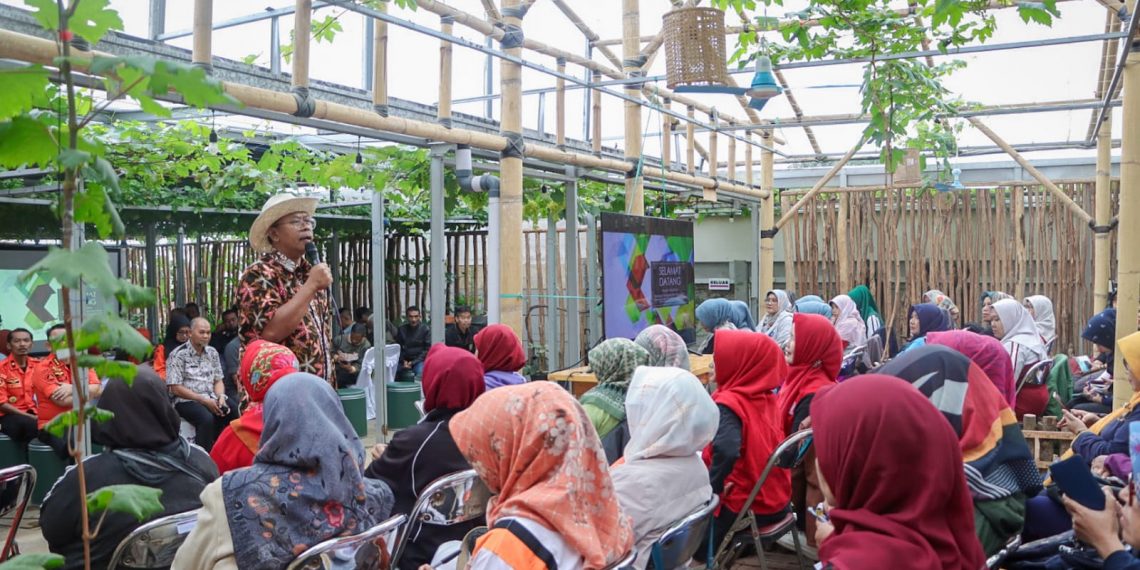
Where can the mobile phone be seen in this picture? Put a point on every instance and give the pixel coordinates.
(819, 514)
(1077, 482)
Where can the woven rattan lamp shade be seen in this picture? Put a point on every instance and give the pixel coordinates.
(695, 47)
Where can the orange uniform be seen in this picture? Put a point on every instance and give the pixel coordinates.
(50, 374)
(16, 384)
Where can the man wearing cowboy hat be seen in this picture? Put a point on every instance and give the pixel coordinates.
(282, 297)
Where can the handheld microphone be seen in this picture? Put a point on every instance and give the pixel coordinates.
(314, 258)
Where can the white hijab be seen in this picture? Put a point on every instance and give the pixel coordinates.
(1043, 315)
(670, 414)
(1019, 325)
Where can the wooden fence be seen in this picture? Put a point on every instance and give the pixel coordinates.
(1018, 239)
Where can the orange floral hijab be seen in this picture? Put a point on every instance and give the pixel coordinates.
(533, 445)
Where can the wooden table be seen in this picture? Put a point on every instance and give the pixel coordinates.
(581, 379)
(1035, 437)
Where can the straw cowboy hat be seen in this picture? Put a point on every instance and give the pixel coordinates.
(275, 208)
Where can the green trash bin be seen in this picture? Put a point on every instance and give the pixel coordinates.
(10, 452)
(49, 467)
(402, 397)
(355, 407)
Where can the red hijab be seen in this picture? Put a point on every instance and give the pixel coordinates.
(816, 360)
(748, 367)
(262, 365)
(988, 353)
(498, 348)
(896, 474)
(452, 378)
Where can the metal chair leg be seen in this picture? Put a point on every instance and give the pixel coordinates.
(759, 544)
(796, 542)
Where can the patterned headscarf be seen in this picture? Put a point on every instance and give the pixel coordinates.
(613, 362)
(306, 484)
(714, 313)
(813, 304)
(1043, 316)
(535, 449)
(263, 364)
(665, 347)
(850, 325)
(1101, 330)
(936, 297)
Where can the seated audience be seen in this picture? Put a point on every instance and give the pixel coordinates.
(942, 301)
(714, 314)
(922, 319)
(814, 355)
(985, 351)
(263, 364)
(1109, 434)
(612, 362)
(1002, 472)
(1018, 334)
(777, 321)
(988, 300)
(662, 478)
(665, 347)
(231, 360)
(1110, 531)
(422, 453)
(305, 486)
(194, 375)
(1040, 308)
(344, 323)
(414, 338)
(501, 352)
(1095, 389)
(51, 385)
(814, 305)
(845, 315)
(141, 447)
(461, 334)
(868, 310)
(227, 330)
(349, 355)
(533, 447)
(17, 406)
(892, 494)
(177, 334)
(748, 368)
(742, 316)
(192, 311)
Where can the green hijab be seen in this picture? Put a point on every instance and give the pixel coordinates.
(865, 301)
(613, 362)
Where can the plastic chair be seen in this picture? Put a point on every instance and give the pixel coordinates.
(994, 562)
(23, 477)
(625, 563)
(391, 361)
(154, 544)
(730, 547)
(451, 499)
(680, 542)
(1035, 371)
(367, 550)
(364, 382)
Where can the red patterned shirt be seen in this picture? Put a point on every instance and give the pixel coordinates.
(267, 285)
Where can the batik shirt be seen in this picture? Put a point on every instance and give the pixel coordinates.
(198, 372)
(267, 285)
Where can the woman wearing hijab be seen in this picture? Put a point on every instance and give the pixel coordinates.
(305, 486)
(845, 315)
(813, 305)
(777, 321)
(665, 347)
(1040, 308)
(985, 351)
(748, 368)
(422, 453)
(534, 448)
(714, 314)
(922, 319)
(612, 362)
(944, 302)
(1018, 334)
(868, 310)
(177, 334)
(742, 316)
(499, 349)
(814, 356)
(671, 419)
(262, 365)
(1095, 388)
(892, 494)
(1001, 472)
(988, 300)
(141, 447)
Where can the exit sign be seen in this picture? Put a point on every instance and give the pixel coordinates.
(720, 284)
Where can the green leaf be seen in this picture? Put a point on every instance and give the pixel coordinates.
(135, 500)
(26, 141)
(59, 424)
(24, 88)
(93, 19)
(99, 415)
(90, 264)
(111, 331)
(35, 561)
(46, 13)
(108, 368)
(1035, 12)
(70, 159)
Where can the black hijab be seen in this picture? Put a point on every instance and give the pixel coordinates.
(176, 323)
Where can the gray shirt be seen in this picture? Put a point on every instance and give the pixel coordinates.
(198, 372)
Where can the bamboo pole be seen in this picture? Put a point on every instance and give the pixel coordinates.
(691, 148)
(631, 49)
(712, 161)
(203, 32)
(1128, 234)
(768, 214)
(302, 35)
(380, 63)
(731, 170)
(596, 103)
(1032, 170)
(560, 107)
(667, 137)
(511, 191)
(843, 259)
(790, 278)
(820, 184)
(1017, 199)
(1102, 247)
(443, 109)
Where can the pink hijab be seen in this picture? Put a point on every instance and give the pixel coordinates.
(850, 325)
(987, 352)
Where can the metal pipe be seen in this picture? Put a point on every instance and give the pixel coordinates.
(257, 17)
(152, 278)
(488, 80)
(275, 46)
(380, 312)
(180, 268)
(1118, 73)
(157, 23)
(553, 342)
(367, 55)
(594, 327)
(573, 316)
(438, 245)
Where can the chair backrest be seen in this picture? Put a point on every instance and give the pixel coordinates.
(451, 499)
(994, 562)
(16, 484)
(625, 563)
(873, 351)
(1035, 372)
(391, 361)
(370, 550)
(154, 544)
(680, 542)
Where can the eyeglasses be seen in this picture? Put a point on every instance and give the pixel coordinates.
(300, 223)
